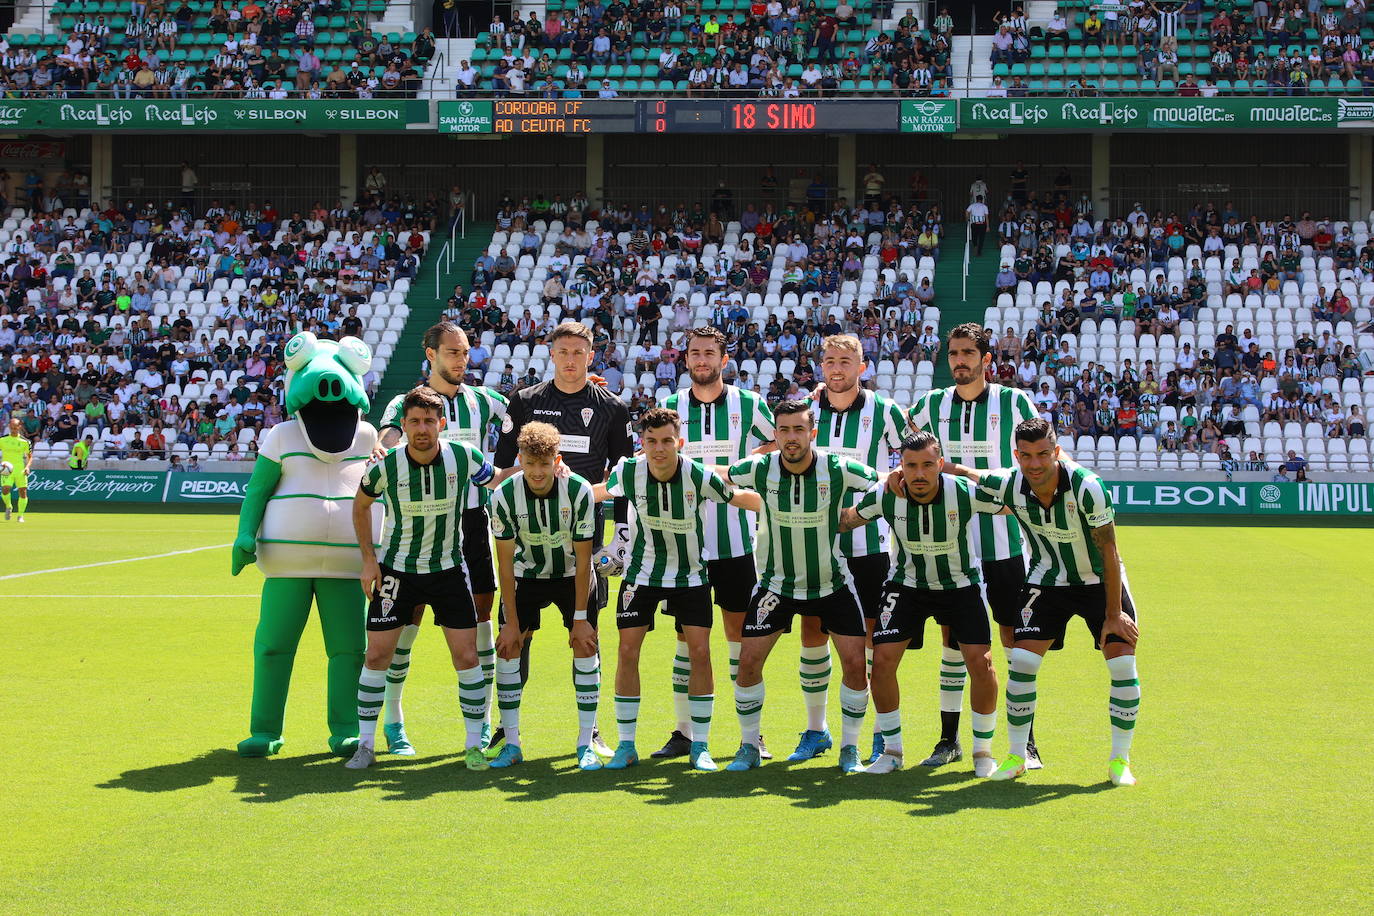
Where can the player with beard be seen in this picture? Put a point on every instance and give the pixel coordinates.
(470, 411)
(974, 421)
(721, 424)
(866, 427)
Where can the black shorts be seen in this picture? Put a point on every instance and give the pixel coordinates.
(636, 605)
(1046, 610)
(1002, 584)
(477, 550)
(400, 592)
(732, 582)
(533, 595)
(905, 610)
(771, 613)
(868, 574)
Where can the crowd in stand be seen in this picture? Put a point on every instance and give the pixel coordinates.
(152, 325)
(779, 49)
(1189, 47)
(268, 50)
(1152, 280)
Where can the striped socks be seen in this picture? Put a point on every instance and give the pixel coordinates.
(889, 725)
(749, 708)
(815, 683)
(953, 673)
(398, 671)
(984, 727)
(682, 672)
(587, 687)
(853, 705)
(701, 708)
(734, 647)
(472, 700)
(486, 657)
(508, 690)
(626, 716)
(370, 686)
(1124, 703)
(1021, 698)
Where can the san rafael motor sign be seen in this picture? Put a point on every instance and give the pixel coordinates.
(929, 116)
(465, 117)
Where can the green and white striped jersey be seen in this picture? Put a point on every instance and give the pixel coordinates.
(722, 432)
(978, 434)
(543, 527)
(471, 413)
(934, 540)
(667, 536)
(1060, 537)
(802, 520)
(867, 432)
(422, 532)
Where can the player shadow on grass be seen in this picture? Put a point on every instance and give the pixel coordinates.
(281, 778)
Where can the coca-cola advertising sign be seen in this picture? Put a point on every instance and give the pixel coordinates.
(32, 150)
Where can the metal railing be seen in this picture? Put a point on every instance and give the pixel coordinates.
(457, 228)
(968, 244)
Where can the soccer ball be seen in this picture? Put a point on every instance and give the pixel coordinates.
(6, 469)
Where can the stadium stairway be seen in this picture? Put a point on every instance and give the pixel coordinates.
(426, 302)
(949, 288)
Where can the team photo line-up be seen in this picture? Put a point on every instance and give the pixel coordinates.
(777, 517)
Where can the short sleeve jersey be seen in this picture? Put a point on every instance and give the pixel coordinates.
(867, 432)
(422, 532)
(1060, 536)
(978, 434)
(933, 541)
(544, 528)
(802, 520)
(722, 432)
(667, 533)
(470, 414)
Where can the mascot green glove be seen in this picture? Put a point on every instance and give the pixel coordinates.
(297, 525)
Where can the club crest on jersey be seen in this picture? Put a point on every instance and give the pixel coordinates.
(994, 419)
(735, 419)
(822, 493)
(1070, 507)
(952, 516)
(587, 416)
(565, 515)
(691, 500)
(866, 422)
(451, 480)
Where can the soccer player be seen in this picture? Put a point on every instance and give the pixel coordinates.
(664, 566)
(469, 412)
(974, 419)
(1075, 569)
(15, 450)
(424, 487)
(865, 427)
(595, 433)
(803, 491)
(933, 521)
(722, 424)
(543, 520)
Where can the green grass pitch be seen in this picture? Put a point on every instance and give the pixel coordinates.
(128, 687)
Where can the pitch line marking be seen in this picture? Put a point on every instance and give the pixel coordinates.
(154, 556)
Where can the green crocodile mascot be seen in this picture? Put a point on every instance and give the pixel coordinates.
(296, 524)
